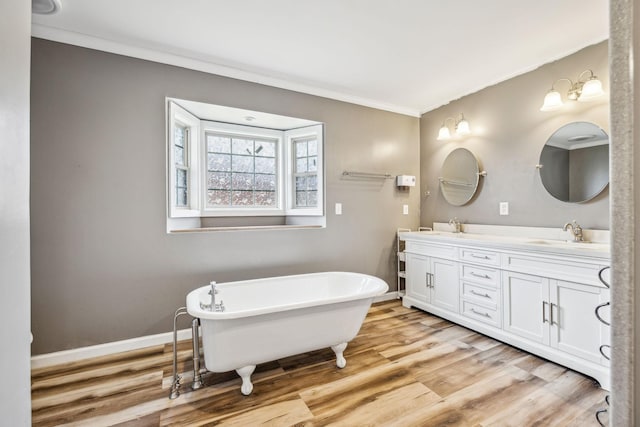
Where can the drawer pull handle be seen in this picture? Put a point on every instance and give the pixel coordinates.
(551, 321)
(482, 276)
(602, 351)
(479, 313)
(480, 294)
(544, 316)
(598, 313)
(479, 256)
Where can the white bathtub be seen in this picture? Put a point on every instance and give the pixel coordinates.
(268, 319)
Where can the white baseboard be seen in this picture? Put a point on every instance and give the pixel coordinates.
(386, 297)
(73, 355)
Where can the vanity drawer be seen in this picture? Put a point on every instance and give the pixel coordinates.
(481, 295)
(486, 276)
(436, 250)
(480, 256)
(490, 316)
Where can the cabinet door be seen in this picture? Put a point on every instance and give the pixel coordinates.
(416, 281)
(525, 306)
(445, 290)
(574, 326)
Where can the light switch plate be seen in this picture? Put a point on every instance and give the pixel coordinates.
(405, 209)
(338, 208)
(504, 208)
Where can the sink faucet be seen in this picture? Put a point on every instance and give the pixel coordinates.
(457, 227)
(213, 306)
(575, 229)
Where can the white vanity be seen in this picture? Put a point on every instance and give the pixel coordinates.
(535, 293)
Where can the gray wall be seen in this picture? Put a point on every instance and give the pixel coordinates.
(588, 170)
(509, 132)
(103, 267)
(15, 30)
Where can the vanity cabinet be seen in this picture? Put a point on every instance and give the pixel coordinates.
(430, 280)
(555, 313)
(537, 300)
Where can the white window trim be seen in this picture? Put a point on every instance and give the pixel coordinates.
(243, 131)
(179, 115)
(197, 177)
(316, 132)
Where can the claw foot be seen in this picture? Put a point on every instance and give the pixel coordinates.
(341, 362)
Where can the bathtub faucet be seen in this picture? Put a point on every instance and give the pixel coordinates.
(213, 306)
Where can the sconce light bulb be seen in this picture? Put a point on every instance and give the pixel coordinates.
(462, 128)
(444, 133)
(592, 89)
(552, 101)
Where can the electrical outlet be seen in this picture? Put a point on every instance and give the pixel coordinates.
(405, 209)
(504, 208)
(338, 208)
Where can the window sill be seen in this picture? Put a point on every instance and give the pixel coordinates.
(246, 228)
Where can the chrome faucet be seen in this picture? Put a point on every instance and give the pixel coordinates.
(213, 306)
(457, 227)
(576, 230)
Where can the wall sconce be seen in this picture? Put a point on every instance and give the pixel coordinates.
(461, 128)
(582, 91)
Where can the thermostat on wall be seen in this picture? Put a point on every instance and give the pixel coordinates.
(406, 181)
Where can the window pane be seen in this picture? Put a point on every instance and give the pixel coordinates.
(242, 181)
(301, 183)
(301, 198)
(218, 198)
(179, 136)
(265, 182)
(218, 181)
(301, 165)
(312, 149)
(218, 144)
(265, 198)
(312, 199)
(313, 164)
(219, 162)
(178, 155)
(242, 146)
(181, 178)
(242, 164)
(301, 149)
(312, 182)
(265, 148)
(181, 196)
(265, 165)
(242, 198)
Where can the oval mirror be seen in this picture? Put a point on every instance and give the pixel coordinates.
(574, 163)
(460, 175)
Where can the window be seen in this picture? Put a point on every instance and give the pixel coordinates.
(181, 159)
(306, 175)
(241, 172)
(222, 169)
(183, 129)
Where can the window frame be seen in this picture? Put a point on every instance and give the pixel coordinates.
(291, 136)
(197, 154)
(241, 131)
(178, 115)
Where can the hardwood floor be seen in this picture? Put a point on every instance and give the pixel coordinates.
(405, 368)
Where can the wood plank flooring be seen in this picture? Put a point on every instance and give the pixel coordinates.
(405, 368)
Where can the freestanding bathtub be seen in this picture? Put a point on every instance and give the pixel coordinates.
(268, 319)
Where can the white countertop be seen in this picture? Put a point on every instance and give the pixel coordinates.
(598, 250)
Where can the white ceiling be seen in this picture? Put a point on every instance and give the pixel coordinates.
(408, 56)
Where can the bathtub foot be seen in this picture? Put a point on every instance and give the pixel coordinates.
(341, 362)
(245, 374)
